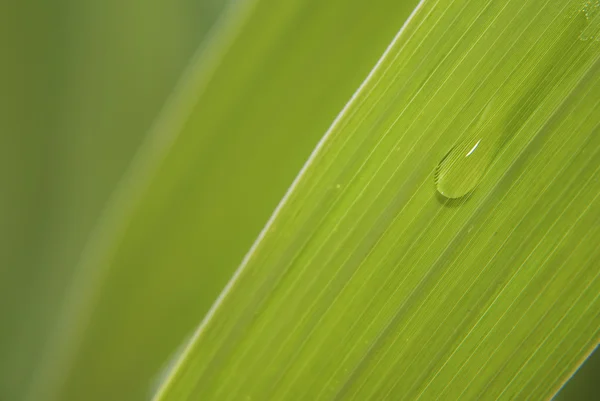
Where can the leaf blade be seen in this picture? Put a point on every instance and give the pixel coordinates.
(287, 309)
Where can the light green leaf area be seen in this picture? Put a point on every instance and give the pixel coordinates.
(369, 283)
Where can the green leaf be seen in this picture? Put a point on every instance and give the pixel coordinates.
(368, 283)
(252, 105)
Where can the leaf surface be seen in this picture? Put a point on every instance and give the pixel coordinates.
(368, 283)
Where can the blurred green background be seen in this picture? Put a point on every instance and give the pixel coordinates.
(82, 84)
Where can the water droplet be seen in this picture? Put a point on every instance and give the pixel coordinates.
(461, 170)
(463, 167)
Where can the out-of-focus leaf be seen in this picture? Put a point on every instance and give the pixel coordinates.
(244, 118)
(584, 384)
(81, 84)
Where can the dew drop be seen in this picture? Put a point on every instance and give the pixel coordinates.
(463, 167)
(461, 170)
